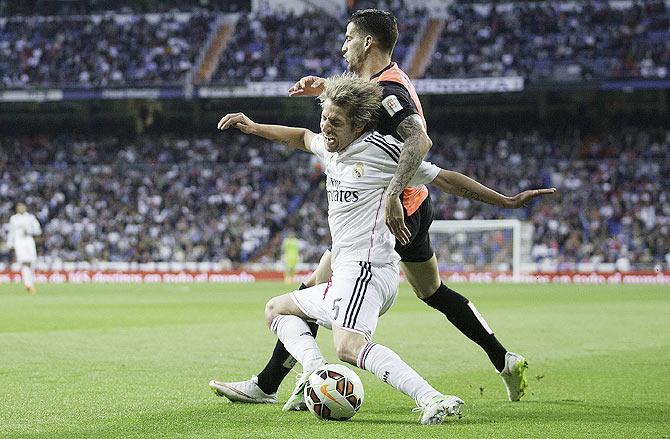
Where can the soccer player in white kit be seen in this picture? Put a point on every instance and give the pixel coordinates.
(22, 227)
(359, 164)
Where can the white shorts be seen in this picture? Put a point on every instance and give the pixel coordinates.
(357, 294)
(25, 251)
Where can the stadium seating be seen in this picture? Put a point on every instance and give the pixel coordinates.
(555, 41)
(282, 46)
(100, 50)
(541, 42)
(192, 199)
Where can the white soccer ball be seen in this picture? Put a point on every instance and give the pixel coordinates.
(334, 392)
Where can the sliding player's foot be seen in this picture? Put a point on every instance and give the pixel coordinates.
(243, 391)
(439, 408)
(514, 376)
(296, 402)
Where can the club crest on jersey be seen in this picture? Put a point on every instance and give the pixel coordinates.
(391, 104)
(359, 170)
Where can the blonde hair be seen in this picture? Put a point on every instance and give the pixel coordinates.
(359, 98)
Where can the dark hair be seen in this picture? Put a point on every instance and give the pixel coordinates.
(381, 25)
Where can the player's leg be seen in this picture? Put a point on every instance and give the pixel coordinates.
(423, 277)
(261, 388)
(281, 362)
(420, 267)
(355, 319)
(26, 255)
(27, 274)
(27, 277)
(286, 316)
(466, 318)
(290, 265)
(421, 270)
(251, 390)
(386, 365)
(288, 322)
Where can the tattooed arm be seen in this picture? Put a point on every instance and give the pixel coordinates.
(416, 145)
(458, 184)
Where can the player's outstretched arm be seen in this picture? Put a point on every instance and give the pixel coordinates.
(299, 138)
(308, 86)
(456, 183)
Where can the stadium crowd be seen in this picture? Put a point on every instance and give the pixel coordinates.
(151, 199)
(100, 50)
(195, 199)
(555, 40)
(613, 203)
(539, 41)
(278, 45)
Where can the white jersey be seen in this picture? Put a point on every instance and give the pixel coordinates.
(22, 228)
(356, 180)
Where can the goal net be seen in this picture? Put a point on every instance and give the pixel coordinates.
(478, 245)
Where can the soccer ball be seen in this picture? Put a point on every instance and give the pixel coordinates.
(334, 392)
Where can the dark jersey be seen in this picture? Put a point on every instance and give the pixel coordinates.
(387, 123)
(399, 100)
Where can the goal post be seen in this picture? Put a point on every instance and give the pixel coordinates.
(478, 245)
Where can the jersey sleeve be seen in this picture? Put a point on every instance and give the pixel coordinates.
(397, 105)
(318, 146)
(426, 173)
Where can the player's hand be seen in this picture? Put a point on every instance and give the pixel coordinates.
(236, 120)
(395, 219)
(308, 86)
(523, 198)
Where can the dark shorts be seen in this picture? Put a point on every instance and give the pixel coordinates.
(419, 248)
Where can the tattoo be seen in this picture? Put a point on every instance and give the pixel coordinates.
(472, 195)
(411, 155)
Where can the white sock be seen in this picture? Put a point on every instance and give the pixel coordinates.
(27, 276)
(298, 341)
(389, 367)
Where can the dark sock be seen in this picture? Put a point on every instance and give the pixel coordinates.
(280, 363)
(467, 320)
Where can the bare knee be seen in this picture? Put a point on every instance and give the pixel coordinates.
(272, 309)
(424, 277)
(282, 306)
(425, 291)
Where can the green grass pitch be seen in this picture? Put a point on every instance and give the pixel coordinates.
(134, 361)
